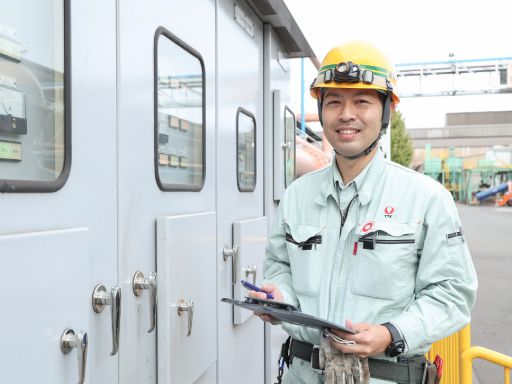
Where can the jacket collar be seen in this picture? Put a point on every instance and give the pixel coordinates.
(365, 181)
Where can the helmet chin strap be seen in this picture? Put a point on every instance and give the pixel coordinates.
(386, 112)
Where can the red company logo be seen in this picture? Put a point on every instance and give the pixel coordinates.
(368, 226)
(388, 211)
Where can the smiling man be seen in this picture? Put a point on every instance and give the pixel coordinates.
(366, 242)
(352, 125)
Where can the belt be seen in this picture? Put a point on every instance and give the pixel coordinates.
(405, 371)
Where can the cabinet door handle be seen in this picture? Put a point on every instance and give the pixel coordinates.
(78, 340)
(139, 284)
(251, 271)
(187, 307)
(233, 253)
(101, 298)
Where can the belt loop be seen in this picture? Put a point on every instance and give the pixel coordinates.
(417, 366)
(315, 360)
(285, 351)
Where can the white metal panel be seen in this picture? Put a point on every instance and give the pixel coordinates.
(186, 270)
(275, 79)
(140, 199)
(251, 237)
(51, 273)
(48, 278)
(279, 142)
(240, 84)
(277, 96)
(90, 197)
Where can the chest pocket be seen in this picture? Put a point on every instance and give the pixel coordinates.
(386, 261)
(305, 245)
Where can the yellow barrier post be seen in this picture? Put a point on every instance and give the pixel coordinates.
(486, 354)
(464, 345)
(459, 355)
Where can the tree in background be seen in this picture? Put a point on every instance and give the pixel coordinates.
(401, 146)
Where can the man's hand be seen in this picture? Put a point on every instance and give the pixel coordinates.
(278, 296)
(371, 339)
(268, 288)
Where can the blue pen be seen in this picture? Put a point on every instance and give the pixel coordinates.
(251, 287)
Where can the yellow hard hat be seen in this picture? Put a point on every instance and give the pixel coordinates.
(356, 64)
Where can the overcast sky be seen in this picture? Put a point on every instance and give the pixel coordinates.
(412, 31)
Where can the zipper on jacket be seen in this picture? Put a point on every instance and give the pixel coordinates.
(345, 215)
(455, 234)
(305, 245)
(369, 242)
(345, 270)
(382, 241)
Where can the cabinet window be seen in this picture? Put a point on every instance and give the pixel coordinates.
(179, 114)
(34, 108)
(289, 139)
(246, 150)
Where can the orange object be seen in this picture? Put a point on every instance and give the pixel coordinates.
(507, 198)
(309, 157)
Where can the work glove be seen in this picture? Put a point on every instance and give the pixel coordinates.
(342, 368)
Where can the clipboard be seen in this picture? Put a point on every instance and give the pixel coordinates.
(287, 313)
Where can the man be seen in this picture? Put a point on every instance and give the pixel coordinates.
(366, 242)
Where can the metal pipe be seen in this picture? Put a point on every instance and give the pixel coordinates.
(491, 191)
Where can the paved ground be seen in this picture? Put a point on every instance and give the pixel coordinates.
(488, 231)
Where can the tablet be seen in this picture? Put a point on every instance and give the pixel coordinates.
(286, 312)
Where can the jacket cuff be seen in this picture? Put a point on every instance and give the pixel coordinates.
(402, 336)
(412, 332)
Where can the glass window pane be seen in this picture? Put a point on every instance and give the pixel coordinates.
(180, 115)
(246, 150)
(33, 137)
(289, 139)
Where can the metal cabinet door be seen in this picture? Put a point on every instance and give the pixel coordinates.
(166, 226)
(241, 221)
(56, 246)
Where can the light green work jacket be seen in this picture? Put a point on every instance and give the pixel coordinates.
(399, 257)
